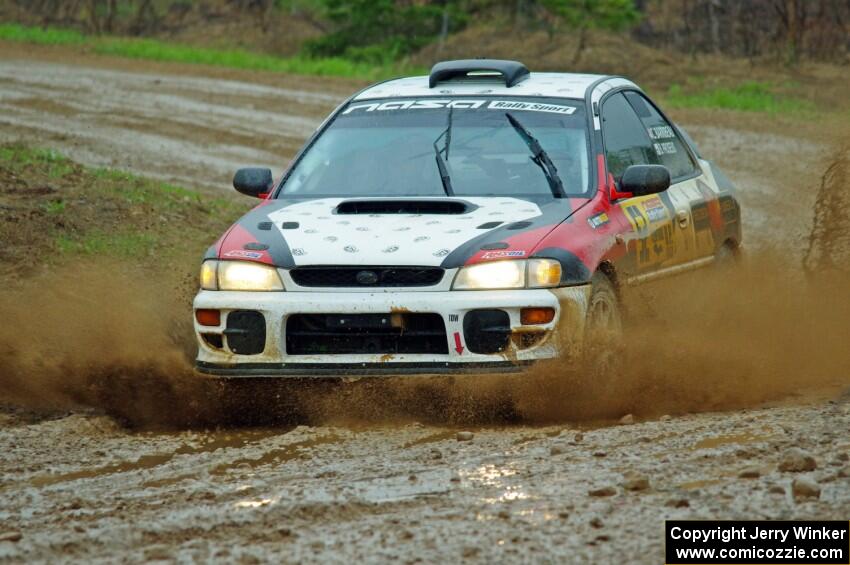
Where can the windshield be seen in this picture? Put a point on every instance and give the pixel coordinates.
(455, 146)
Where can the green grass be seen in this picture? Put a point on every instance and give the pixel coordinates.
(66, 210)
(134, 189)
(42, 36)
(156, 50)
(130, 245)
(55, 207)
(19, 158)
(747, 97)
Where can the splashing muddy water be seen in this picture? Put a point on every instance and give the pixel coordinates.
(719, 340)
(725, 338)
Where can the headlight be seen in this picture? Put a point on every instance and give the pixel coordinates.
(239, 275)
(498, 274)
(209, 275)
(535, 273)
(543, 273)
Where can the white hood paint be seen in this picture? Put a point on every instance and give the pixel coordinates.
(325, 238)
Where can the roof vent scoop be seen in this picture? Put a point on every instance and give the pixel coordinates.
(512, 72)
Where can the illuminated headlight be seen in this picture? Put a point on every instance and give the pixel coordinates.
(239, 275)
(535, 273)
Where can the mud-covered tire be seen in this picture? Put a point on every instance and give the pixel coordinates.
(603, 328)
(728, 256)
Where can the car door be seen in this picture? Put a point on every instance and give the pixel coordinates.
(654, 242)
(698, 221)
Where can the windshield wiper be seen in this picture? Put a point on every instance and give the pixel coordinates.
(540, 157)
(441, 163)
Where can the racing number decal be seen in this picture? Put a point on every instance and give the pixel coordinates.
(651, 221)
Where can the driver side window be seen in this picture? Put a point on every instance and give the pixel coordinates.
(625, 138)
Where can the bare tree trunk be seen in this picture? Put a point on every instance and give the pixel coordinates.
(444, 30)
(94, 23)
(266, 9)
(144, 16)
(519, 11)
(109, 20)
(792, 29)
(582, 43)
(713, 6)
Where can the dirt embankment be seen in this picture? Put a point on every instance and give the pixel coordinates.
(112, 447)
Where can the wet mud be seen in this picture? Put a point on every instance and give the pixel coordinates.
(113, 447)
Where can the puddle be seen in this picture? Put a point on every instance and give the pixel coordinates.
(404, 487)
(719, 441)
(292, 451)
(212, 442)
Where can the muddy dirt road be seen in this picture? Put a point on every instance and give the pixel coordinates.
(722, 428)
(191, 130)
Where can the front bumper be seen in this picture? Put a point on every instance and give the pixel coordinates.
(528, 343)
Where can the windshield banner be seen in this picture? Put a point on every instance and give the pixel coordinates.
(461, 104)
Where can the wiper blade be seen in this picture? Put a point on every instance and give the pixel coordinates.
(540, 157)
(441, 163)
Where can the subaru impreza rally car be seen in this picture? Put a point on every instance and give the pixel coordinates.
(474, 220)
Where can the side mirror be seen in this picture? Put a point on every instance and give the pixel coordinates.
(642, 180)
(253, 181)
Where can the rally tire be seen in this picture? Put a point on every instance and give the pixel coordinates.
(603, 328)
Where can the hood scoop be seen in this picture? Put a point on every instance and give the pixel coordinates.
(404, 207)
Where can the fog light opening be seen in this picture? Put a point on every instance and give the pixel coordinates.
(214, 340)
(536, 316)
(207, 317)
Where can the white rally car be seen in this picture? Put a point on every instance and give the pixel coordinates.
(453, 222)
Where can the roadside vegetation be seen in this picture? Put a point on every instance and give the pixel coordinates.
(53, 210)
(158, 50)
(736, 55)
(750, 96)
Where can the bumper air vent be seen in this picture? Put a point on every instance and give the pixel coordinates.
(246, 332)
(487, 331)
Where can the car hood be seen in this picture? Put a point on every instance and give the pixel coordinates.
(446, 232)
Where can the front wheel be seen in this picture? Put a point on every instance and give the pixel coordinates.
(603, 327)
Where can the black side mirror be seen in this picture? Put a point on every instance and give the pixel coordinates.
(642, 180)
(253, 181)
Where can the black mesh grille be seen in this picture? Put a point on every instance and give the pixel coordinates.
(327, 334)
(366, 276)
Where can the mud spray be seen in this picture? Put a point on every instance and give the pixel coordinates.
(769, 329)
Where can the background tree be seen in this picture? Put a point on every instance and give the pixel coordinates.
(584, 15)
(382, 30)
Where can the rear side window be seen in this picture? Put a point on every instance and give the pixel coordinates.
(670, 149)
(625, 137)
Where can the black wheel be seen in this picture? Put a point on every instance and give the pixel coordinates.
(603, 328)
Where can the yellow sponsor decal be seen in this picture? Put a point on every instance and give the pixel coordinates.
(649, 219)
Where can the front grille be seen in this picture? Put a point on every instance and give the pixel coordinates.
(323, 334)
(364, 276)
